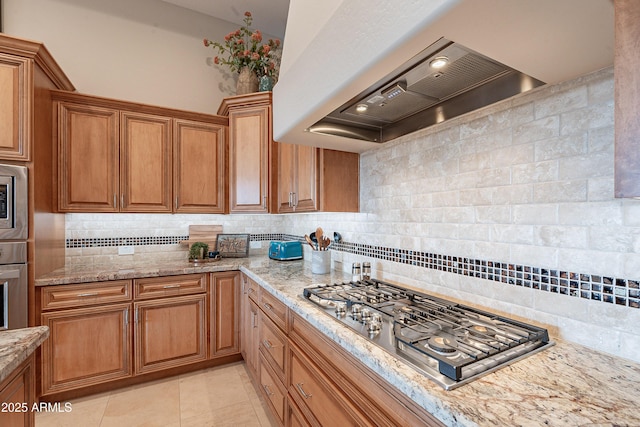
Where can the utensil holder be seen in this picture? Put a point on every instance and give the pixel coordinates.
(320, 262)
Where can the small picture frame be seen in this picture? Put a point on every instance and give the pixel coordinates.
(233, 245)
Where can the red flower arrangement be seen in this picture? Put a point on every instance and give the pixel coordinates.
(245, 48)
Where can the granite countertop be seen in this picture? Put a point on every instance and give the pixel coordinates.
(564, 385)
(16, 345)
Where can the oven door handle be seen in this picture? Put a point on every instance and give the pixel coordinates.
(9, 274)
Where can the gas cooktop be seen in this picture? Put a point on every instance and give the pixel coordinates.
(450, 343)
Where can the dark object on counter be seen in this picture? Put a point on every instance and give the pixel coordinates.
(214, 254)
(233, 245)
(285, 251)
(337, 237)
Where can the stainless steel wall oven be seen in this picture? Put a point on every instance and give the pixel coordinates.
(13, 203)
(13, 285)
(13, 246)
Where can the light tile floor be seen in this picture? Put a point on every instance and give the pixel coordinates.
(220, 396)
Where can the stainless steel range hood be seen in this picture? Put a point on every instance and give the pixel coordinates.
(417, 94)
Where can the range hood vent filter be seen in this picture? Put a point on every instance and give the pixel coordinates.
(416, 96)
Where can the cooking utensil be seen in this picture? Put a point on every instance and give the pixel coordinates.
(327, 242)
(312, 236)
(310, 242)
(319, 237)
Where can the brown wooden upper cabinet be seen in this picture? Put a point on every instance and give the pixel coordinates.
(297, 178)
(199, 173)
(115, 156)
(252, 178)
(266, 176)
(14, 108)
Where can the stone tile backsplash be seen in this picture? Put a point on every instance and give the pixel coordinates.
(510, 207)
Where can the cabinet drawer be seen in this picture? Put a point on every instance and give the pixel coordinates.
(317, 396)
(249, 287)
(157, 287)
(80, 295)
(272, 389)
(273, 344)
(274, 308)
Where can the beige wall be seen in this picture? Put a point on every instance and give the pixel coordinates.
(145, 51)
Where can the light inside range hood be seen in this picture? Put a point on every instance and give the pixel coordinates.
(416, 96)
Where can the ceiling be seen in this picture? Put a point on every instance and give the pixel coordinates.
(269, 16)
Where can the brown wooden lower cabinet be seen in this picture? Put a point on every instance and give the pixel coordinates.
(328, 369)
(317, 397)
(170, 332)
(324, 384)
(249, 327)
(86, 346)
(224, 312)
(274, 391)
(18, 395)
(294, 416)
(116, 332)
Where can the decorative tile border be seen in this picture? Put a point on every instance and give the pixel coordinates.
(623, 292)
(124, 241)
(158, 240)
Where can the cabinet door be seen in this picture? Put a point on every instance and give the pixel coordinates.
(339, 181)
(199, 167)
(15, 129)
(88, 158)
(145, 163)
(306, 179)
(17, 396)
(250, 336)
(169, 332)
(286, 172)
(224, 313)
(86, 346)
(249, 141)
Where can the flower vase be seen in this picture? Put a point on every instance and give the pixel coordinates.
(266, 84)
(247, 81)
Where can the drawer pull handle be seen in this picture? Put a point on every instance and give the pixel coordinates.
(250, 290)
(302, 392)
(266, 390)
(88, 294)
(267, 344)
(170, 286)
(268, 306)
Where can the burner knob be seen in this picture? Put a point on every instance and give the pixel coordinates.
(376, 317)
(341, 308)
(366, 315)
(374, 326)
(356, 311)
